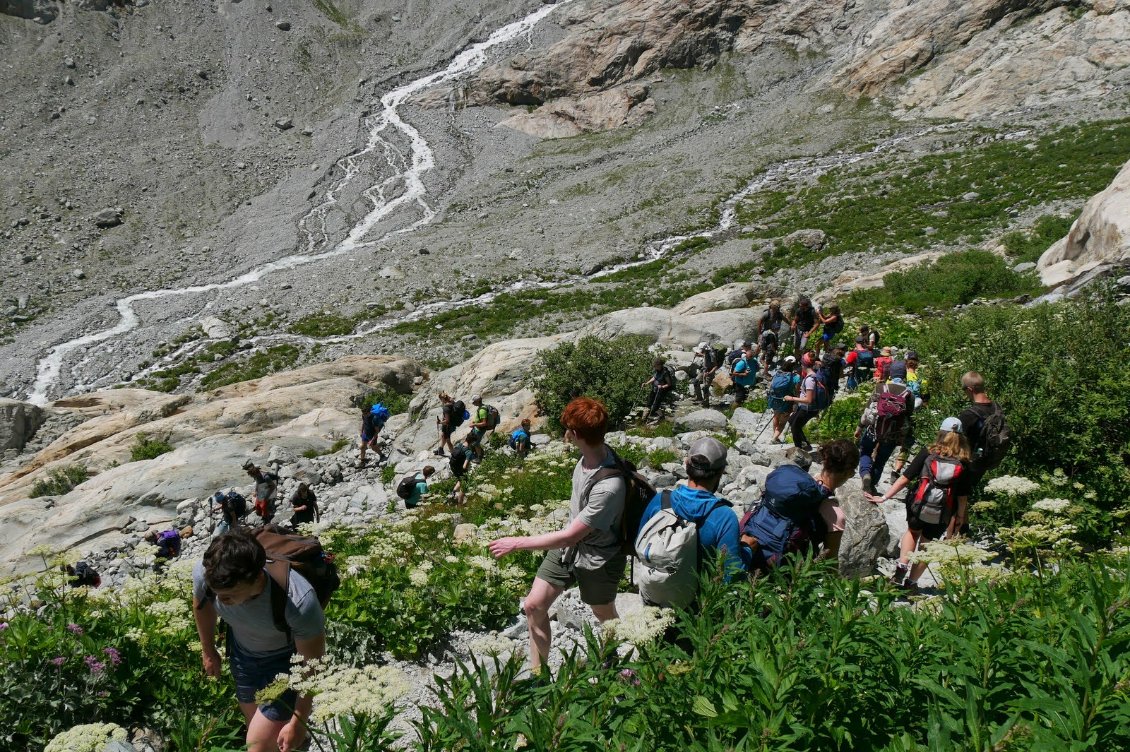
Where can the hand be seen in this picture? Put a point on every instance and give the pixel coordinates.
(212, 663)
(292, 735)
(874, 498)
(858, 433)
(503, 546)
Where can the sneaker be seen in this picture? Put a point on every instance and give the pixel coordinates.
(868, 485)
(910, 587)
(899, 576)
(439, 453)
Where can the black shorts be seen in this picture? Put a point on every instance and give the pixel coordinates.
(929, 531)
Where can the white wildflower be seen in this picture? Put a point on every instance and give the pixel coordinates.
(1011, 485)
(89, 737)
(1054, 506)
(345, 691)
(492, 645)
(484, 563)
(640, 627)
(418, 577)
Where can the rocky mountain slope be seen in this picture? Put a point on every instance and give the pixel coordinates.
(239, 135)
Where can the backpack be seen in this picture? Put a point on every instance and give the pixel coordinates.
(787, 519)
(874, 338)
(821, 399)
(832, 366)
(782, 385)
(407, 486)
(864, 359)
(669, 554)
(933, 501)
(493, 417)
(458, 414)
(303, 554)
(82, 574)
(719, 355)
(232, 504)
(379, 415)
(668, 375)
(459, 454)
(768, 340)
(890, 414)
(168, 544)
(639, 494)
(835, 327)
(993, 440)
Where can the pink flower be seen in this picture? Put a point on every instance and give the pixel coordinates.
(95, 666)
(74, 629)
(57, 661)
(3, 625)
(114, 656)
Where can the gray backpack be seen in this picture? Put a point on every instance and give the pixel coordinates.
(668, 552)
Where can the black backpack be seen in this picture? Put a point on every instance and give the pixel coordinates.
(493, 417)
(407, 486)
(455, 417)
(82, 574)
(459, 456)
(994, 439)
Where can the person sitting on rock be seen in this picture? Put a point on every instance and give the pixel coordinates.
(305, 505)
(587, 553)
(937, 505)
(662, 385)
(265, 493)
(232, 583)
(520, 439)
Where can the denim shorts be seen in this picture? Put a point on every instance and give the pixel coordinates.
(253, 673)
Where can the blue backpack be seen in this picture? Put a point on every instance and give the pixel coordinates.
(821, 399)
(782, 385)
(786, 521)
(380, 414)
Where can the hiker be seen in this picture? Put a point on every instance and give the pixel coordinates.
(662, 383)
(884, 425)
(744, 373)
(832, 366)
(266, 489)
(462, 456)
(804, 324)
(784, 384)
(799, 514)
(168, 543)
(882, 363)
(984, 425)
(870, 337)
(451, 416)
(82, 575)
(305, 505)
(769, 328)
(412, 487)
(859, 363)
(708, 369)
(812, 399)
(937, 506)
(915, 380)
(520, 439)
(768, 344)
(232, 507)
(669, 558)
(480, 424)
(372, 421)
(833, 323)
(232, 584)
(588, 551)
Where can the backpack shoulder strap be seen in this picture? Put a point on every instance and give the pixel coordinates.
(665, 500)
(278, 576)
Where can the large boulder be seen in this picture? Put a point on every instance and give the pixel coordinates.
(18, 422)
(746, 422)
(733, 295)
(675, 330)
(701, 420)
(566, 117)
(866, 536)
(1100, 236)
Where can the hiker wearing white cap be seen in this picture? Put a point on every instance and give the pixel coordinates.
(939, 503)
(707, 361)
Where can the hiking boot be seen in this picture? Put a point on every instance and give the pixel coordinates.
(868, 485)
(910, 587)
(900, 575)
(439, 453)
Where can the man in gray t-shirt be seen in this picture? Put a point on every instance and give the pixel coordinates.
(232, 582)
(587, 552)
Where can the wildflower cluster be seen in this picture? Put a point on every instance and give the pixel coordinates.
(640, 627)
(343, 691)
(89, 737)
(1011, 485)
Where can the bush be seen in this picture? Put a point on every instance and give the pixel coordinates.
(608, 370)
(839, 421)
(396, 402)
(60, 481)
(145, 448)
(1059, 373)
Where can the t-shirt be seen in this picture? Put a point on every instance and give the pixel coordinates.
(971, 418)
(418, 491)
(252, 622)
(481, 415)
(916, 470)
(266, 486)
(808, 384)
(519, 437)
(602, 512)
(805, 318)
(745, 372)
(307, 514)
(770, 321)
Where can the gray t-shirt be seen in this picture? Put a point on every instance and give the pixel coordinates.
(252, 622)
(601, 512)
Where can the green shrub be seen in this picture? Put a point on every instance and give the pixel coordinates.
(334, 448)
(324, 324)
(396, 402)
(388, 474)
(263, 363)
(839, 421)
(60, 481)
(664, 428)
(1030, 244)
(1059, 373)
(608, 370)
(146, 448)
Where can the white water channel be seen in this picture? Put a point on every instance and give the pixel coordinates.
(408, 177)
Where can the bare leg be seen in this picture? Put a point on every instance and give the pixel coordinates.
(605, 611)
(537, 604)
(262, 732)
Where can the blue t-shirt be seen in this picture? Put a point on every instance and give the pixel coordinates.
(418, 490)
(745, 372)
(718, 531)
(518, 436)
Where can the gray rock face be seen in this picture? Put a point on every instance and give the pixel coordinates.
(108, 218)
(813, 240)
(18, 422)
(701, 420)
(746, 422)
(866, 536)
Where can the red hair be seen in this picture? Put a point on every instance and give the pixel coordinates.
(588, 419)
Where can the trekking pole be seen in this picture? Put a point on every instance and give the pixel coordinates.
(769, 414)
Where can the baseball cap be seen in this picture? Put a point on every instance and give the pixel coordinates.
(249, 465)
(912, 355)
(701, 346)
(951, 424)
(898, 370)
(707, 454)
(790, 359)
(476, 398)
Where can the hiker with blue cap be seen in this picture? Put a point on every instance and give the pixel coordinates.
(373, 420)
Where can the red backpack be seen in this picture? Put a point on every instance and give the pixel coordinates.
(890, 414)
(934, 503)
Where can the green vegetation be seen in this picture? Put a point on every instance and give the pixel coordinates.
(908, 204)
(168, 379)
(263, 363)
(146, 448)
(396, 402)
(1030, 662)
(334, 448)
(332, 12)
(838, 421)
(954, 279)
(1030, 244)
(60, 481)
(653, 430)
(610, 370)
(323, 324)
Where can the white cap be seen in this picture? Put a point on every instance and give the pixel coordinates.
(701, 346)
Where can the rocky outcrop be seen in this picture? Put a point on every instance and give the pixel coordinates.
(866, 535)
(673, 330)
(1100, 236)
(18, 422)
(733, 295)
(562, 118)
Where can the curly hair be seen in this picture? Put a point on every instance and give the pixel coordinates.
(839, 457)
(234, 558)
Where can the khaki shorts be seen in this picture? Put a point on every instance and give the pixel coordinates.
(598, 586)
